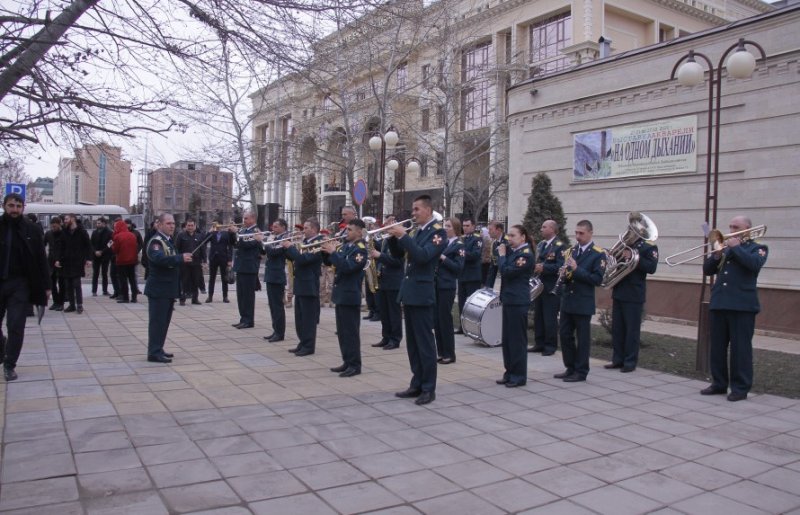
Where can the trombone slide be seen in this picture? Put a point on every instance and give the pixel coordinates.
(716, 242)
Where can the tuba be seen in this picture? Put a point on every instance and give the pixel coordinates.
(640, 227)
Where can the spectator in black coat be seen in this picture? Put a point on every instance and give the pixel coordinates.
(74, 256)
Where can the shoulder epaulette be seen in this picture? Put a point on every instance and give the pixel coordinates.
(558, 243)
(437, 226)
(505, 237)
(598, 249)
(526, 250)
(477, 233)
(361, 245)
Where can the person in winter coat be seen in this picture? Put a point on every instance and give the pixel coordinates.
(74, 255)
(126, 251)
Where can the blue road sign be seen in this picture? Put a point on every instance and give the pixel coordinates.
(360, 191)
(15, 188)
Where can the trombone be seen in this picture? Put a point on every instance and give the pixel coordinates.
(251, 236)
(293, 237)
(716, 242)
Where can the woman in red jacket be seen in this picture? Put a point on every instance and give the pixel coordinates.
(126, 250)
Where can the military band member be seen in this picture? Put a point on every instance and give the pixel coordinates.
(733, 310)
(515, 263)
(371, 299)
(325, 278)
(307, 267)
(498, 238)
(469, 280)
(246, 263)
(583, 271)
(628, 297)
(390, 275)
(162, 286)
(549, 260)
(349, 260)
(451, 263)
(275, 278)
(422, 248)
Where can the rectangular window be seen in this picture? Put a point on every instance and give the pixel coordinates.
(327, 104)
(440, 163)
(476, 88)
(426, 120)
(101, 183)
(361, 94)
(423, 166)
(77, 192)
(440, 116)
(426, 75)
(547, 40)
(402, 76)
(440, 72)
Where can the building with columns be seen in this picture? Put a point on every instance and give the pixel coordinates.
(437, 74)
(585, 128)
(96, 175)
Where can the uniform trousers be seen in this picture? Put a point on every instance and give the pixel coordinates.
(465, 290)
(735, 328)
(212, 277)
(371, 299)
(14, 298)
(421, 347)
(275, 293)
(306, 314)
(626, 328)
(576, 356)
(515, 342)
(391, 316)
(443, 324)
(348, 322)
(191, 277)
(246, 297)
(100, 266)
(545, 321)
(160, 311)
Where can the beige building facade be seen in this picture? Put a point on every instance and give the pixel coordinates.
(96, 175)
(437, 74)
(192, 189)
(624, 95)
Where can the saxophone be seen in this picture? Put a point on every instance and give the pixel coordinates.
(371, 270)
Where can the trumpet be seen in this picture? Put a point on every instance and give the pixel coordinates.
(216, 226)
(293, 237)
(716, 242)
(251, 236)
(317, 245)
(373, 233)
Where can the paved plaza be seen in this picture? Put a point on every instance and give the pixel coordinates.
(236, 425)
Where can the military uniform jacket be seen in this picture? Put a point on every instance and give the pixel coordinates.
(447, 271)
(515, 270)
(473, 246)
(349, 261)
(422, 249)
(248, 254)
(163, 278)
(492, 274)
(633, 287)
(737, 275)
(220, 247)
(552, 258)
(187, 243)
(275, 268)
(307, 268)
(390, 266)
(578, 295)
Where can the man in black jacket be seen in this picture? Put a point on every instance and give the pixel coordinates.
(52, 240)
(101, 255)
(24, 278)
(188, 242)
(220, 258)
(73, 257)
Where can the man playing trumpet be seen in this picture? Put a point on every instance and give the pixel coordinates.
(734, 305)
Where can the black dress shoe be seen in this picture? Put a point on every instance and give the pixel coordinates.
(60, 307)
(548, 352)
(182, 303)
(369, 315)
(55, 307)
(195, 301)
(502, 381)
(536, 348)
(340, 368)
(114, 296)
(562, 375)
(735, 396)
(514, 384)
(713, 390)
(574, 378)
(425, 398)
(293, 350)
(382, 343)
(268, 337)
(458, 331)
(158, 359)
(237, 325)
(225, 300)
(391, 346)
(447, 361)
(625, 370)
(407, 394)
(374, 318)
(168, 355)
(275, 338)
(610, 366)
(350, 372)
(79, 310)
(303, 353)
(69, 309)
(10, 375)
(245, 326)
(209, 300)
(123, 301)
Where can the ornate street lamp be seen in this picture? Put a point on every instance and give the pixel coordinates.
(740, 65)
(378, 142)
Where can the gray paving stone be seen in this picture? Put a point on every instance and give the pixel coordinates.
(713, 503)
(472, 473)
(762, 496)
(137, 503)
(327, 475)
(405, 438)
(228, 445)
(436, 455)
(183, 473)
(267, 485)
(104, 461)
(36, 493)
(278, 438)
(609, 468)
(169, 452)
(564, 481)
(37, 467)
(230, 510)
(660, 487)
(302, 455)
(520, 462)
(483, 445)
(700, 476)
(514, 495)
(245, 464)
(332, 431)
(100, 441)
(682, 448)
(767, 453)
(385, 464)
(613, 500)
(450, 431)
(415, 486)
(647, 458)
(564, 452)
(457, 503)
(304, 503)
(67, 508)
(357, 446)
(602, 443)
(780, 478)
(562, 507)
(215, 429)
(396, 510)
(202, 496)
(360, 497)
(736, 464)
(40, 447)
(115, 482)
(527, 437)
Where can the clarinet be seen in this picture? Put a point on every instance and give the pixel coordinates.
(562, 272)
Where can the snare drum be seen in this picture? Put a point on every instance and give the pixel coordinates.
(482, 318)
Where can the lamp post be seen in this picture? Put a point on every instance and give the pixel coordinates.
(740, 65)
(382, 142)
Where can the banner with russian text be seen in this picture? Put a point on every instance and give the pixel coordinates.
(652, 148)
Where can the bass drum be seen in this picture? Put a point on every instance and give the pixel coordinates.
(482, 318)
